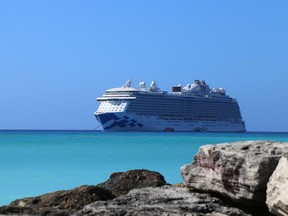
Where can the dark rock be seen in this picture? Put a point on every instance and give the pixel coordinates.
(66, 202)
(238, 170)
(58, 203)
(168, 201)
(14, 210)
(122, 182)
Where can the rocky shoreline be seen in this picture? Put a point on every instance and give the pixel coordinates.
(243, 178)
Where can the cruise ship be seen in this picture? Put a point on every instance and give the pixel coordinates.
(194, 107)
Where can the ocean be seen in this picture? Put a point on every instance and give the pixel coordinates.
(37, 162)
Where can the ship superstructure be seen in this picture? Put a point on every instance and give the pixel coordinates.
(194, 107)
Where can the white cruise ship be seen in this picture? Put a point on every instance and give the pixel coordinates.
(195, 107)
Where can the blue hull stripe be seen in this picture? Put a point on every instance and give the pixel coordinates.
(118, 122)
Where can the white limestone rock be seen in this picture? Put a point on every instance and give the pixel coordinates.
(277, 189)
(239, 170)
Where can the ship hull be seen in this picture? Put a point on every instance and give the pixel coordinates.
(123, 121)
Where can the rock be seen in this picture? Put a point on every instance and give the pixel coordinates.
(121, 183)
(13, 210)
(165, 200)
(58, 203)
(239, 170)
(63, 203)
(277, 189)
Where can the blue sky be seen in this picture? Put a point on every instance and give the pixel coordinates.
(56, 57)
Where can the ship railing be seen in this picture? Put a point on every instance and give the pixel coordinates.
(117, 93)
(115, 98)
(152, 93)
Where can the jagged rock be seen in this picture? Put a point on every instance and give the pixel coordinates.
(122, 182)
(277, 189)
(14, 210)
(166, 201)
(58, 203)
(239, 170)
(64, 203)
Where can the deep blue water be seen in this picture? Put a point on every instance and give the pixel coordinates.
(37, 162)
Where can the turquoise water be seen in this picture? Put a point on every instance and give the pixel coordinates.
(37, 162)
